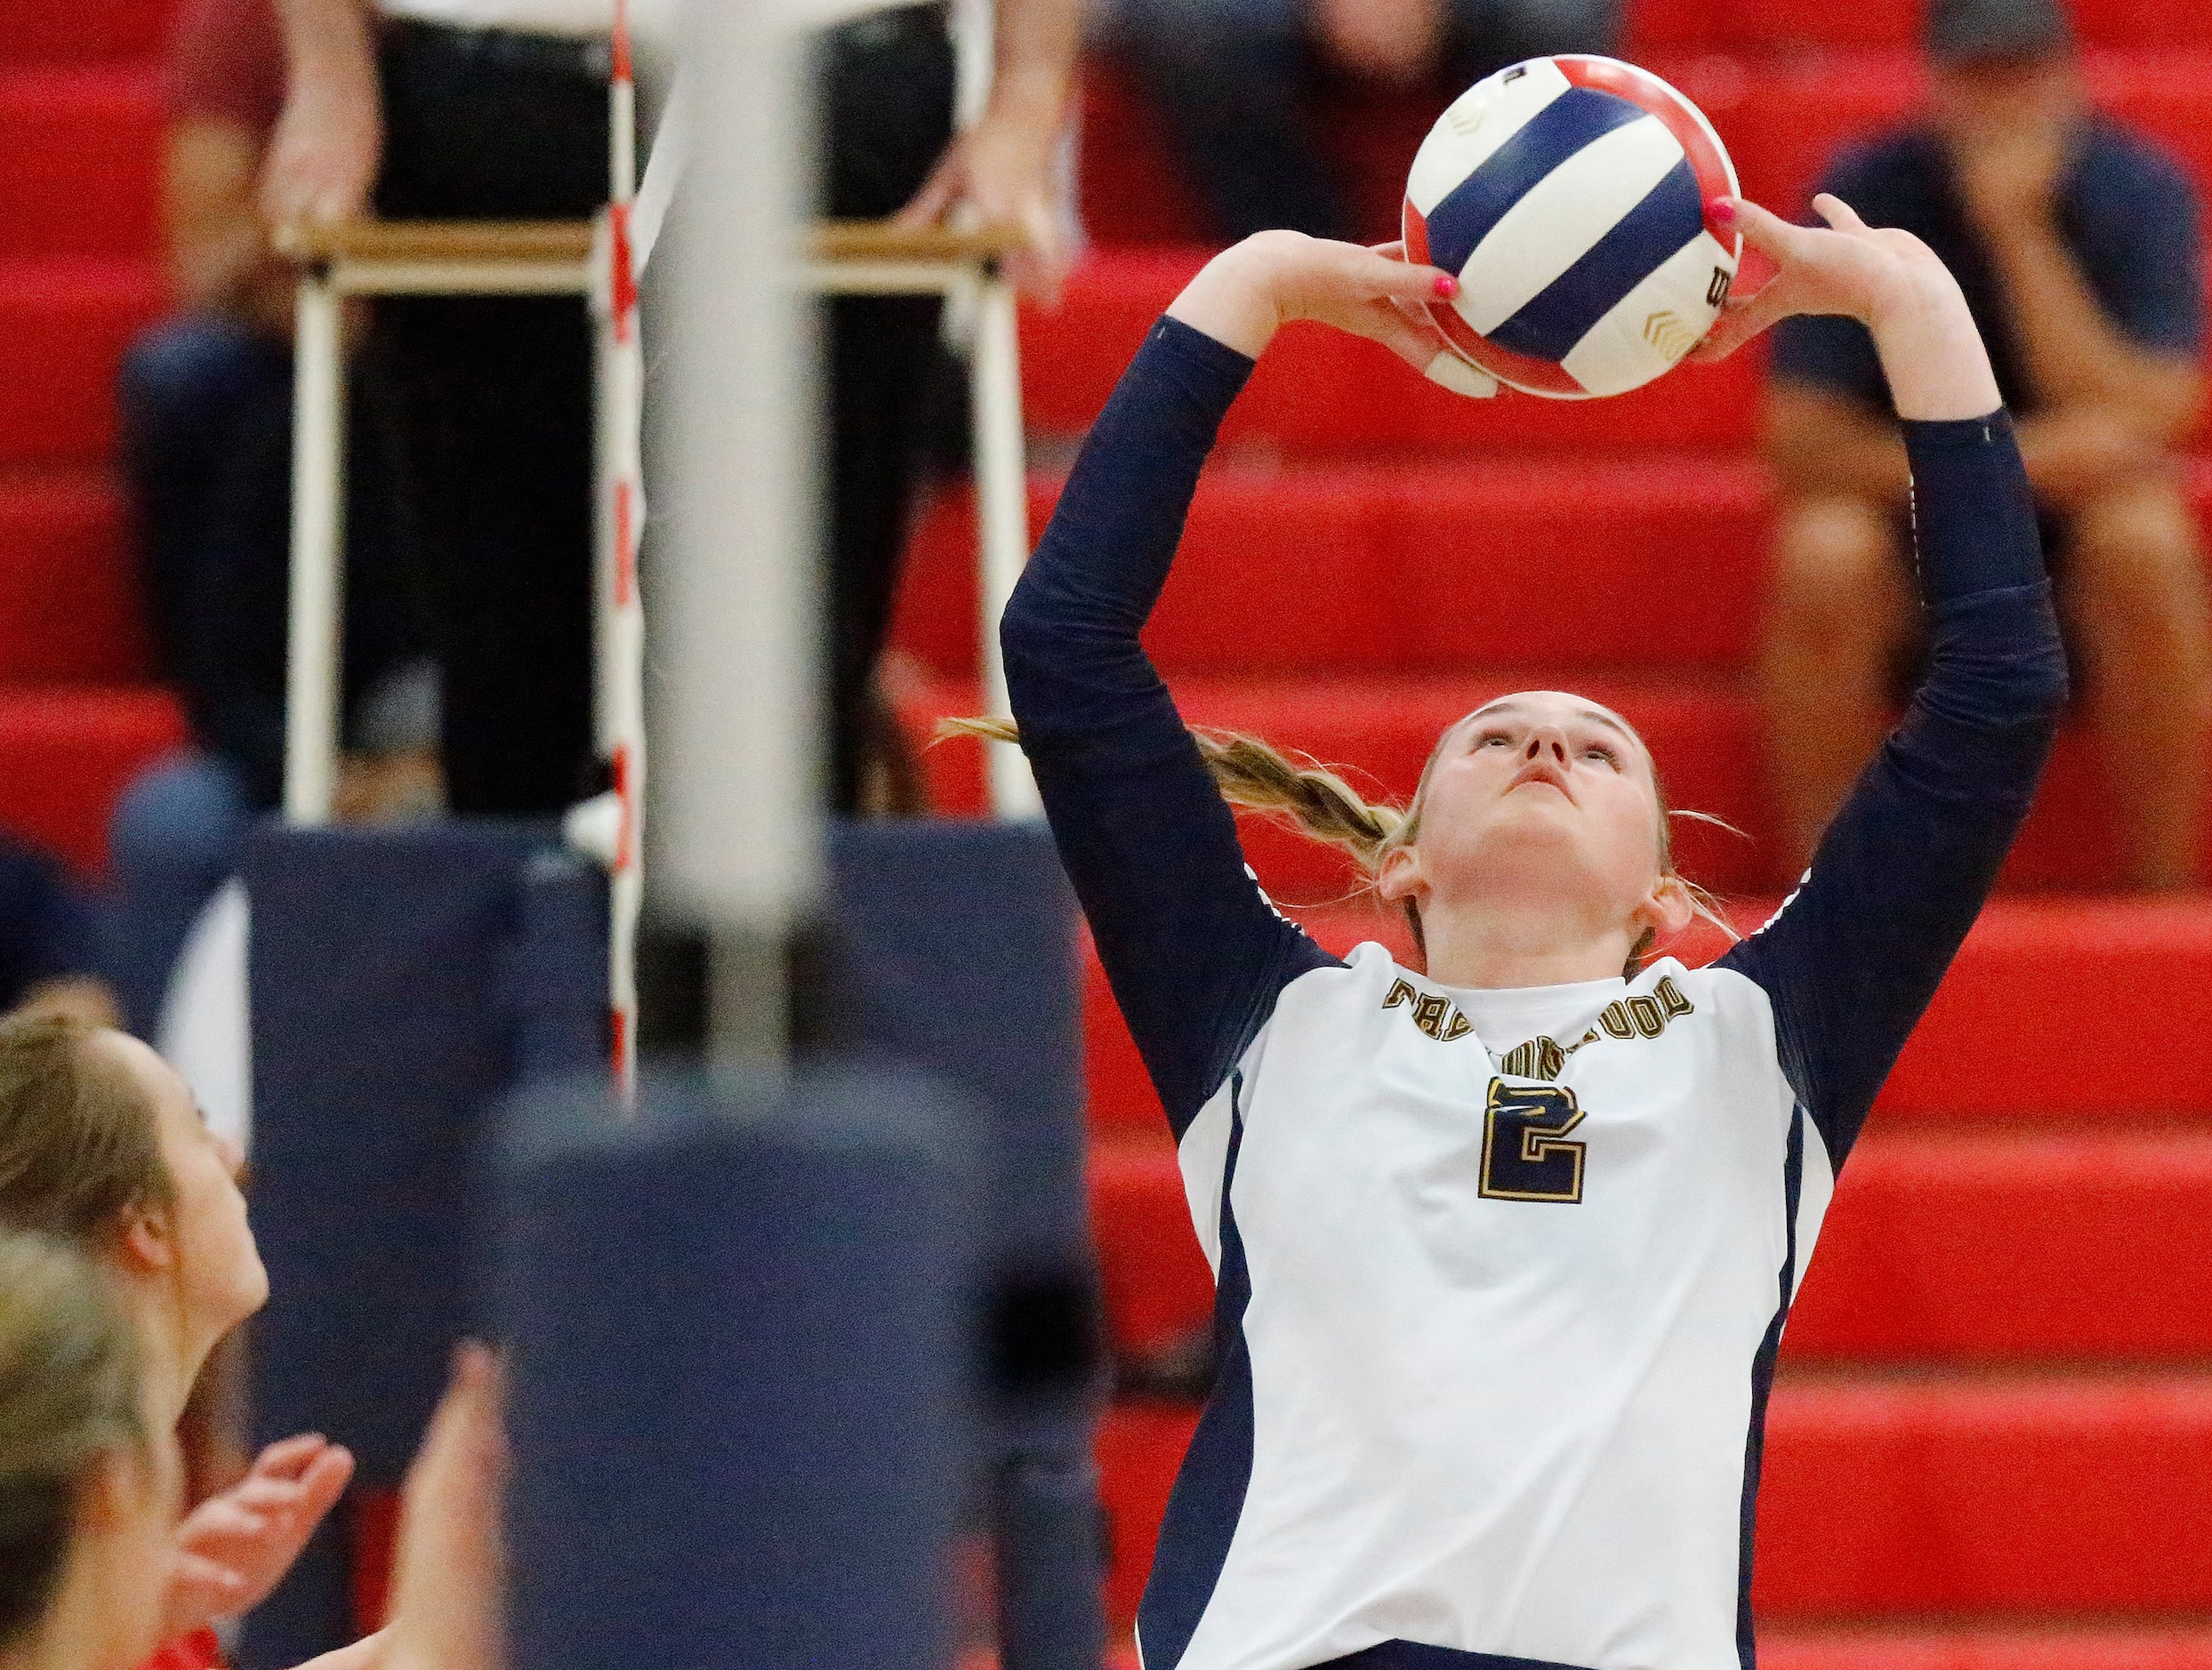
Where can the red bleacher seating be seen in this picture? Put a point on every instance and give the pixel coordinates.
(64, 325)
(66, 753)
(1980, 1493)
(69, 601)
(34, 32)
(82, 146)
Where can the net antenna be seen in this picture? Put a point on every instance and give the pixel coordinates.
(619, 620)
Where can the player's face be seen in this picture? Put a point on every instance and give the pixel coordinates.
(1542, 792)
(219, 1266)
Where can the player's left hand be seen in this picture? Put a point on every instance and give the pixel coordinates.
(1003, 168)
(1847, 268)
(234, 1549)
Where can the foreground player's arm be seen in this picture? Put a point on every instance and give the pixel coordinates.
(1851, 962)
(1195, 952)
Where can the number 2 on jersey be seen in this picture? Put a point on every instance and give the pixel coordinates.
(1526, 1153)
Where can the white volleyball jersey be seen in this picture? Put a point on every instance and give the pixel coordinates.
(1505, 1337)
(1496, 1315)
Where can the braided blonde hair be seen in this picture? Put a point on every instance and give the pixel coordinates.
(1320, 804)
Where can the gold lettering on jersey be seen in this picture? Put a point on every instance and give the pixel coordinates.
(1544, 1058)
(1438, 1017)
(1540, 1059)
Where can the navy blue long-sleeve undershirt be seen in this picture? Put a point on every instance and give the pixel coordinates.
(1196, 954)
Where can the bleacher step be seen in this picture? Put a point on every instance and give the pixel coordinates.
(70, 604)
(82, 150)
(2037, 982)
(67, 752)
(82, 30)
(1635, 564)
(1704, 734)
(64, 325)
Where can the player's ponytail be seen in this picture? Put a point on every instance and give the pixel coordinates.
(1260, 778)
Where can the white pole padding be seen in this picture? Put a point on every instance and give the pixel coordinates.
(736, 563)
(318, 591)
(1003, 514)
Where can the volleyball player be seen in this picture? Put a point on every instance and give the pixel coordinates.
(1504, 1244)
(91, 1477)
(102, 1148)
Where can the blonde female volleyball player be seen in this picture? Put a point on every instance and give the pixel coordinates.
(102, 1147)
(91, 1478)
(1505, 1244)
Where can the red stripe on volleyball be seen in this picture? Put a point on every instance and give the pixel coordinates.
(1715, 178)
(1536, 376)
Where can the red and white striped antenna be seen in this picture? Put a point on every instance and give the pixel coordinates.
(620, 616)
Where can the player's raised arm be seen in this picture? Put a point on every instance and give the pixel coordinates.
(1195, 952)
(1854, 958)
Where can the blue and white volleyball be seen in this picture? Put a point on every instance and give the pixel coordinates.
(1569, 196)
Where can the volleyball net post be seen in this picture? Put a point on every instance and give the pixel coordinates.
(594, 259)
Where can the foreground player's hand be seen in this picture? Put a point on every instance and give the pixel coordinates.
(235, 1548)
(1248, 293)
(1931, 350)
(450, 1567)
(1847, 267)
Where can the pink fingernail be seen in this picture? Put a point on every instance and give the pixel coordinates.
(1447, 286)
(1722, 210)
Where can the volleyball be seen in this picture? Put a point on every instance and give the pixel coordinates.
(1569, 197)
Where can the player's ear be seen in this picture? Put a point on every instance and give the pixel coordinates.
(1669, 909)
(147, 1241)
(1400, 877)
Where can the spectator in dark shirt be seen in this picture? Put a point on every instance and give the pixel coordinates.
(1234, 79)
(205, 402)
(2077, 244)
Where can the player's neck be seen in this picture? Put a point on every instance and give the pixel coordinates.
(1504, 947)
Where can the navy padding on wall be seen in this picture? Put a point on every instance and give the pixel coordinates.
(960, 940)
(402, 982)
(735, 1336)
(959, 943)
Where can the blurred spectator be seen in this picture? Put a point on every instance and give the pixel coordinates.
(2077, 244)
(462, 109)
(1233, 80)
(205, 402)
(47, 940)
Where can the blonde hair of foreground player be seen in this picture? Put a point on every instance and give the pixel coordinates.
(103, 1149)
(1505, 889)
(91, 1481)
